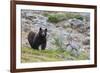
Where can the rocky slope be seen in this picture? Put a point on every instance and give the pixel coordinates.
(67, 31)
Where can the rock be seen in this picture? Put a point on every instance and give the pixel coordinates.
(75, 23)
(24, 40)
(81, 30)
(74, 48)
(75, 53)
(87, 47)
(87, 33)
(86, 41)
(69, 48)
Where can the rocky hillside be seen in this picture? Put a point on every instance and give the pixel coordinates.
(68, 31)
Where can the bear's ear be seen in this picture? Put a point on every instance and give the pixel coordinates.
(46, 29)
(40, 29)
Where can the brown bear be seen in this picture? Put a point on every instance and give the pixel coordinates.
(37, 40)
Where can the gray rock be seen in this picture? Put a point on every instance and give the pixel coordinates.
(86, 41)
(75, 23)
(87, 47)
(74, 48)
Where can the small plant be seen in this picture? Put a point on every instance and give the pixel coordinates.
(58, 42)
(73, 15)
(79, 17)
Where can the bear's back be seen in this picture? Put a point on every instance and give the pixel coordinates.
(31, 36)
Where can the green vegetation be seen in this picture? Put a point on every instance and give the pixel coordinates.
(73, 15)
(55, 18)
(82, 56)
(31, 55)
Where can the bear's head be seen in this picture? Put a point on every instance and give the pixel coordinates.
(42, 32)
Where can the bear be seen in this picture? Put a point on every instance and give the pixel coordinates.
(39, 39)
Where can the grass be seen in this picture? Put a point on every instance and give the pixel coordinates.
(31, 55)
(55, 18)
(82, 56)
(73, 15)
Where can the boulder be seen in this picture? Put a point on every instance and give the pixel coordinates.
(75, 23)
(86, 41)
(74, 48)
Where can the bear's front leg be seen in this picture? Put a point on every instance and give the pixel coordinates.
(43, 46)
(35, 47)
